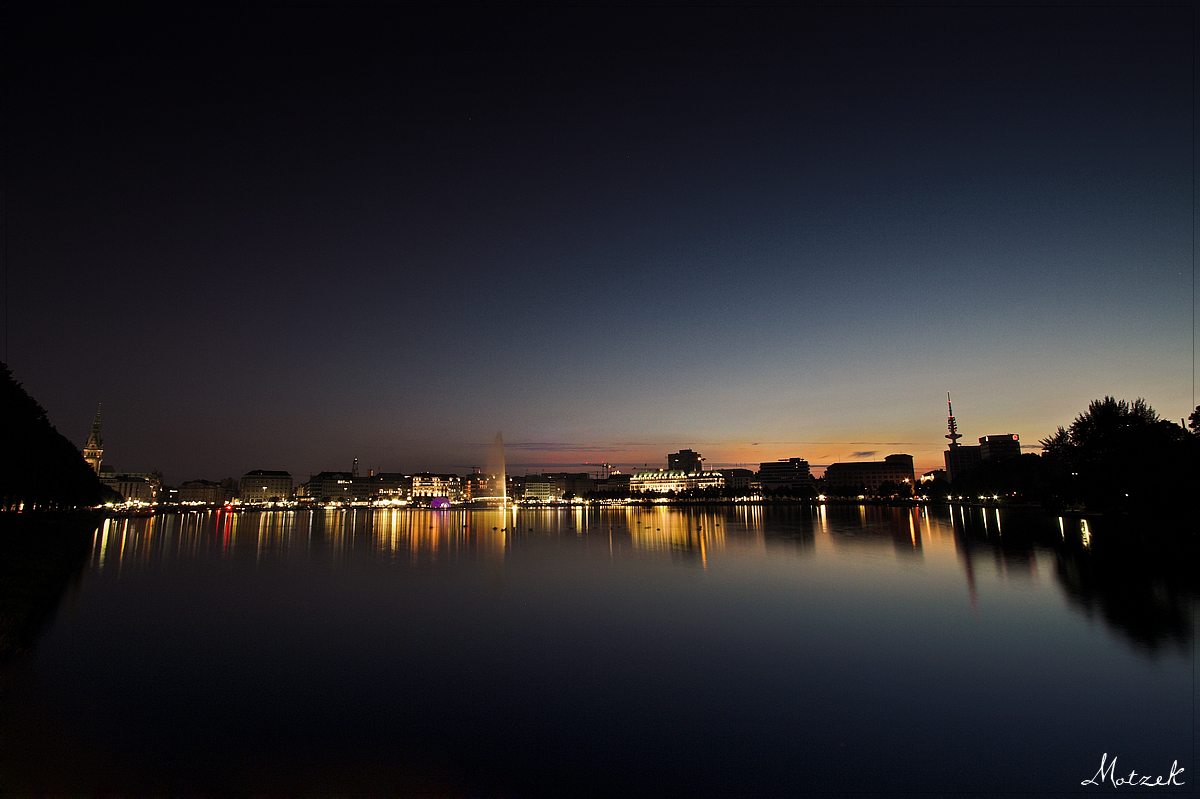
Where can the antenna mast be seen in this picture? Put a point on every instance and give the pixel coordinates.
(954, 435)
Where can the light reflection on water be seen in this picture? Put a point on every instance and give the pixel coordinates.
(422, 535)
(971, 540)
(640, 648)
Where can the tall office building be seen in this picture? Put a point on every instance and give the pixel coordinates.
(960, 459)
(685, 461)
(791, 474)
(996, 447)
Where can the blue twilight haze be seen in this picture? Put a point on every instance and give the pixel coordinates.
(286, 238)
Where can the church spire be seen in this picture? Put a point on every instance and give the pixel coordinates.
(93, 450)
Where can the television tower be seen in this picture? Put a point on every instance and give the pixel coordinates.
(954, 435)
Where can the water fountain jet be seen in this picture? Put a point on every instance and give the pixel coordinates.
(496, 472)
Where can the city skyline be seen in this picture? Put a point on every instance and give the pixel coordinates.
(92, 453)
(290, 239)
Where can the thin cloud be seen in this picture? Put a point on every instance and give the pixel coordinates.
(562, 446)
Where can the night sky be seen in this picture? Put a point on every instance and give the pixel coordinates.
(283, 239)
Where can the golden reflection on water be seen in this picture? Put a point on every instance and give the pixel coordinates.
(409, 533)
(432, 534)
(661, 529)
(702, 532)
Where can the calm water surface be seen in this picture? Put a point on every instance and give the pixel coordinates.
(746, 649)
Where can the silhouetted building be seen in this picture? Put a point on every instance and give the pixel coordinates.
(202, 491)
(739, 479)
(390, 486)
(571, 484)
(615, 483)
(792, 474)
(870, 475)
(93, 450)
(685, 461)
(959, 459)
(331, 487)
(997, 447)
(262, 485)
(515, 485)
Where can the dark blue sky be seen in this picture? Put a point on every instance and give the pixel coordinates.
(287, 238)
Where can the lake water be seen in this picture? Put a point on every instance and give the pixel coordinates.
(606, 651)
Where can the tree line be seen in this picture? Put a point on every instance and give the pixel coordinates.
(1116, 456)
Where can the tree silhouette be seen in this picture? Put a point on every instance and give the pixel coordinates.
(893, 490)
(1119, 454)
(39, 467)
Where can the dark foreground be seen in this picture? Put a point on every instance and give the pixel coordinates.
(783, 651)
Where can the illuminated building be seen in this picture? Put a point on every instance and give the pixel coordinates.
(340, 486)
(262, 485)
(139, 486)
(870, 475)
(133, 488)
(542, 488)
(431, 486)
(127, 484)
(94, 448)
(667, 480)
(480, 486)
(476, 484)
(390, 485)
